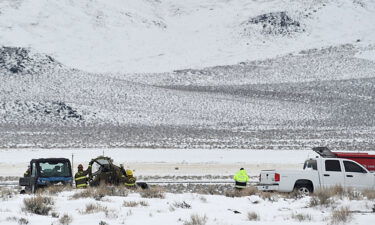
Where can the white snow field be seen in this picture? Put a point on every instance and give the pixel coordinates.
(13, 162)
(163, 35)
(219, 210)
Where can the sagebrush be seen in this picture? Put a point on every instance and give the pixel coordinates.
(40, 205)
(65, 219)
(302, 217)
(253, 216)
(153, 192)
(196, 219)
(99, 192)
(341, 215)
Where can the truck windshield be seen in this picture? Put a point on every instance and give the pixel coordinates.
(54, 169)
(310, 165)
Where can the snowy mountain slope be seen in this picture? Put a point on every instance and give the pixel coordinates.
(128, 102)
(67, 107)
(332, 63)
(156, 36)
(239, 74)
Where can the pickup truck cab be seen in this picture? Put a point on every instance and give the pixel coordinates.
(318, 173)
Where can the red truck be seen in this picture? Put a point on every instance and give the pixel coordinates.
(364, 159)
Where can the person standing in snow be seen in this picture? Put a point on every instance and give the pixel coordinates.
(81, 178)
(241, 178)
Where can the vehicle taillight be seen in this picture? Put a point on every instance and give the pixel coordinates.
(277, 177)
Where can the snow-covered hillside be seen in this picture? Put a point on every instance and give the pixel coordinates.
(163, 35)
(237, 74)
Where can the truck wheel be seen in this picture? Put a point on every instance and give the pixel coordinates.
(303, 189)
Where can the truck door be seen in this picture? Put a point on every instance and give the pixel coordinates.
(356, 176)
(332, 173)
(33, 174)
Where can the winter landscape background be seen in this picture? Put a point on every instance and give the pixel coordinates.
(176, 90)
(187, 74)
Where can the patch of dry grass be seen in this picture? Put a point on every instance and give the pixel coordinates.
(203, 199)
(253, 216)
(269, 196)
(134, 203)
(196, 220)
(181, 205)
(40, 205)
(152, 192)
(300, 217)
(94, 208)
(143, 203)
(130, 204)
(241, 193)
(340, 216)
(369, 194)
(65, 219)
(99, 192)
(20, 221)
(321, 197)
(6, 193)
(326, 196)
(54, 189)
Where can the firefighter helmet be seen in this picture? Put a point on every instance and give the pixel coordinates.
(129, 172)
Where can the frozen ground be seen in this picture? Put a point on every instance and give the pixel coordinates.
(219, 210)
(198, 162)
(177, 208)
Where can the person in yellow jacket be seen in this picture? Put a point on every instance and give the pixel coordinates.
(130, 179)
(81, 178)
(241, 178)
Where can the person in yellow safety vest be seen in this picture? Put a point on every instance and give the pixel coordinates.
(241, 178)
(81, 178)
(129, 179)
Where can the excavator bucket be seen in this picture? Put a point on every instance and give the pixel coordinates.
(324, 152)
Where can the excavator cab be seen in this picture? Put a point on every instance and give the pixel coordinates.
(105, 172)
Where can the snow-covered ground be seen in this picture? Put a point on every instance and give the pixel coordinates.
(178, 209)
(13, 162)
(156, 36)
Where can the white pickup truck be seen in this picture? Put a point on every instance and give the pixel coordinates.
(318, 173)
